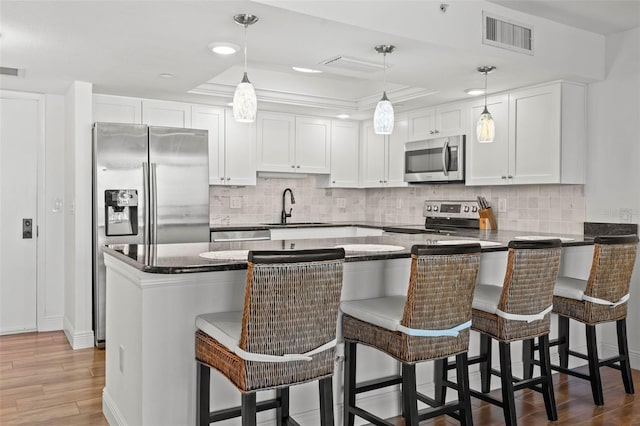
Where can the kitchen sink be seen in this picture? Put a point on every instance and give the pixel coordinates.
(295, 223)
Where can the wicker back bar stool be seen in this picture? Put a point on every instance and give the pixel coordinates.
(602, 298)
(285, 335)
(432, 322)
(519, 310)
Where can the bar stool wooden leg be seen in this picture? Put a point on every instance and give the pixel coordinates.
(594, 367)
(464, 396)
(439, 377)
(326, 401)
(563, 340)
(506, 376)
(547, 385)
(527, 358)
(623, 350)
(282, 412)
(485, 364)
(248, 409)
(349, 382)
(202, 399)
(409, 398)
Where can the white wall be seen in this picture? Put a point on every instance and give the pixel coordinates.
(78, 216)
(613, 172)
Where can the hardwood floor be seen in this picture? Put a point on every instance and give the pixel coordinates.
(44, 382)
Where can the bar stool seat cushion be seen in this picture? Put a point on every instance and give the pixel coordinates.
(570, 288)
(225, 327)
(385, 312)
(486, 298)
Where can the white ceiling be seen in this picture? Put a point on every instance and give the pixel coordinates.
(122, 47)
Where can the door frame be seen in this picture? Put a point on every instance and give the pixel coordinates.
(40, 199)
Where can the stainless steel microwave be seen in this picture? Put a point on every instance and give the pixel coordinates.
(434, 160)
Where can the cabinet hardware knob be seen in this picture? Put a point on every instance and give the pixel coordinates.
(503, 177)
(430, 132)
(333, 181)
(298, 166)
(228, 178)
(293, 166)
(436, 131)
(222, 178)
(381, 182)
(510, 177)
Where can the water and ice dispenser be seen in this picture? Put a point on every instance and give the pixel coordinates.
(121, 212)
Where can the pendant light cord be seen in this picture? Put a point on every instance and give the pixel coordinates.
(485, 90)
(245, 47)
(384, 75)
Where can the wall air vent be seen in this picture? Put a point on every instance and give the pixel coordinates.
(13, 72)
(507, 34)
(345, 63)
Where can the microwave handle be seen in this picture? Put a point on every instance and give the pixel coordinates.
(445, 156)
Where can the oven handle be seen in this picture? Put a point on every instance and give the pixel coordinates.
(445, 156)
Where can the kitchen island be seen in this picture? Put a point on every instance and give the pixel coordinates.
(155, 292)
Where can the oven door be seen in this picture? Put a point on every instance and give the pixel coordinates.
(435, 160)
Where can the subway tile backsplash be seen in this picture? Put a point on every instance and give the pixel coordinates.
(530, 208)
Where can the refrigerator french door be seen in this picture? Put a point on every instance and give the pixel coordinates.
(150, 186)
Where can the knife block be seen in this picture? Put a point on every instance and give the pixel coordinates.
(487, 220)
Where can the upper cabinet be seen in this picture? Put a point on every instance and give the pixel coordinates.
(344, 156)
(232, 146)
(546, 138)
(382, 157)
(288, 143)
(166, 113)
(435, 122)
(117, 109)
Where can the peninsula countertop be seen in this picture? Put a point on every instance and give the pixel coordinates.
(185, 258)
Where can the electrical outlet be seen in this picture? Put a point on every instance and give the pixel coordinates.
(235, 202)
(625, 215)
(341, 203)
(502, 205)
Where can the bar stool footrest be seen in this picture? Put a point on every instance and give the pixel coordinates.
(230, 413)
(380, 383)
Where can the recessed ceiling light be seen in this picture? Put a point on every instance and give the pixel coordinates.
(166, 75)
(307, 70)
(343, 116)
(224, 48)
(474, 92)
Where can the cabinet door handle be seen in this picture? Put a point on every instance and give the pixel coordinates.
(503, 177)
(228, 178)
(430, 132)
(333, 181)
(436, 131)
(510, 177)
(298, 166)
(222, 178)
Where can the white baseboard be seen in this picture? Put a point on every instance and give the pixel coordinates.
(78, 339)
(110, 410)
(52, 323)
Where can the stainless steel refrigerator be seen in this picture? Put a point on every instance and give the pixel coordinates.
(150, 186)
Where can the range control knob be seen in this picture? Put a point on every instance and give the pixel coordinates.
(428, 208)
(474, 209)
(466, 209)
(435, 208)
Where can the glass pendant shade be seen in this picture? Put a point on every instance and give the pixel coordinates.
(486, 128)
(245, 103)
(383, 117)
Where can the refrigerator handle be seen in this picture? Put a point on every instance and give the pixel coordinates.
(147, 206)
(153, 193)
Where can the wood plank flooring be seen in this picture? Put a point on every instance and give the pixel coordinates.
(44, 382)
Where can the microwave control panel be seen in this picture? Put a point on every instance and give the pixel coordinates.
(451, 209)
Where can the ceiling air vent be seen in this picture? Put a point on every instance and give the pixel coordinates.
(346, 63)
(500, 32)
(13, 72)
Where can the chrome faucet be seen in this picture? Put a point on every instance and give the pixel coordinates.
(285, 215)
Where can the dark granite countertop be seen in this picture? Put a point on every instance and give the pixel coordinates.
(294, 224)
(185, 258)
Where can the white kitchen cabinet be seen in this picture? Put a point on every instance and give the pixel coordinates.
(166, 113)
(239, 151)
(288, 143)
(546, 138)
(439, 121)
(344, 156)
(382, 157)
(117, 109)
(232, 146)
(488, 163)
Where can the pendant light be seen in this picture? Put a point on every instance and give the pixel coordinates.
(245, 103)
(486, 128)
(383, 116)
